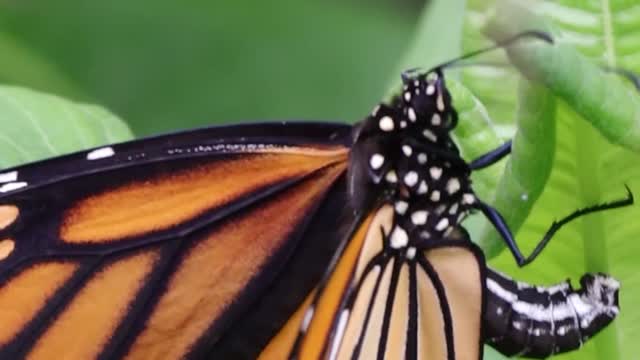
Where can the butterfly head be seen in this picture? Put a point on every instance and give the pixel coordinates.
(403, 151)
(426, 101)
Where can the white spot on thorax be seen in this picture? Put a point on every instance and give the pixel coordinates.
(436, 120)
(406, 149)
(453, 209)
(448, 231)
(423, 188)
(440, 103)
(468, 199)
(403, 124)
(453, 185)
(412, 114)
(399, 238)
(101, 153)
(407, 96)
(411, 178)
(376, 161)
(401, 207)
(9, 176)
(419, 217)
(442, 224)
(386, 123)
(411, 252)
(430, 89)
(430, 135)
(435, 172)
(12, 186)
(391, 177)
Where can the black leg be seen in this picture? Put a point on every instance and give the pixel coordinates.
(491, 157)
(627, 74)
(503, 229)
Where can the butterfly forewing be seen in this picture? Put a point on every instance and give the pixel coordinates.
(156, 248)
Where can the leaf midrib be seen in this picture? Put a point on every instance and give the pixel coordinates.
(607, 30)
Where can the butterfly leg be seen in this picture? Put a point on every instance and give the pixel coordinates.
(491, 157)
(503, 229)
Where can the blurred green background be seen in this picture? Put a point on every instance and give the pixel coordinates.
(163, 66)
(166, 65)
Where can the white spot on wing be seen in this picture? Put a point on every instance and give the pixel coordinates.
(307, 318)
(12, 186)
(342, 325)
(101, 153)
(9, 176)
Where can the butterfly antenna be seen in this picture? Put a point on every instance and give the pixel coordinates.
(627, 74)
(532, 34)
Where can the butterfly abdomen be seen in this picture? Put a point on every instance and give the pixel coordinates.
(537, 322)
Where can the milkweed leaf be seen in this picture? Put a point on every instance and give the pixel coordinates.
(37, 125)
(596, 132)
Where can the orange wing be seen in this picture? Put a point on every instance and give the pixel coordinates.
(166, 257)
(377, 303)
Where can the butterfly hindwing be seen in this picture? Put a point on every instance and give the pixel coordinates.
(387, 305)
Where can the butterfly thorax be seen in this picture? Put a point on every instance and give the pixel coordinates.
(404, 151)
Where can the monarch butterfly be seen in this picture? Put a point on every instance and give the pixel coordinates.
(215, 243)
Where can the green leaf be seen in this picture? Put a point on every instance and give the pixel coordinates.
(567, 156)
(596, 119)
(36, 126)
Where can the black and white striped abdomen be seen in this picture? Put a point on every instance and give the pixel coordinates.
(533, 321)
